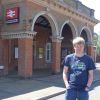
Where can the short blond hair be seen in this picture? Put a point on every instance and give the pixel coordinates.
(78, 40)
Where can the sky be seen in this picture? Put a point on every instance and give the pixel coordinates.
(94, 4)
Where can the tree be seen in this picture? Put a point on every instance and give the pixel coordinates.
(96, 40)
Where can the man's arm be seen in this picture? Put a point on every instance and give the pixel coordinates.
(90, 79)
(65, 70)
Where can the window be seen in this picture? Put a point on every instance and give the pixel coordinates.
(48, 52)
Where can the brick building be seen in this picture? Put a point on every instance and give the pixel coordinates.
(37, 34)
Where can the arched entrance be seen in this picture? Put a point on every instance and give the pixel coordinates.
(66, 45)
(87, 35)
(42, 44)
(46, 27)
(84, 35)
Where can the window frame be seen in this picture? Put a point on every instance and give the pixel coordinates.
(48, 52)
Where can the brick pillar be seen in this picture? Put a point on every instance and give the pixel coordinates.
(90, 49)
(94, 53)
(56, 54)
(5, 54)
(25, 57)
(1, 51)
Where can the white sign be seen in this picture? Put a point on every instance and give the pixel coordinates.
(16, 52)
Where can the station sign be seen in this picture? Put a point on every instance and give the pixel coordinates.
(12, 15)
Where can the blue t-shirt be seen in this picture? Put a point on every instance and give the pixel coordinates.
(78, 68)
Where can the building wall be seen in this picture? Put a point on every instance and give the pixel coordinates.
(23, 33)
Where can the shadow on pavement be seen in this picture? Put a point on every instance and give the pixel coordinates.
(12, 86)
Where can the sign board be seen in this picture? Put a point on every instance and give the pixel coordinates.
(1, 67)
(12, 15)
(16, 52)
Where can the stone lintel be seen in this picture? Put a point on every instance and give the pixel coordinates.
(57, 39)
(13, 35)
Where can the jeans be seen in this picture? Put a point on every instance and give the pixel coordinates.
(74, 94)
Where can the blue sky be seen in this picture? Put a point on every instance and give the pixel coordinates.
(94, 4)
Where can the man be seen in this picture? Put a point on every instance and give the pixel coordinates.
(78, 72)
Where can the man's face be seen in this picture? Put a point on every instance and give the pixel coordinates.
(79, 47)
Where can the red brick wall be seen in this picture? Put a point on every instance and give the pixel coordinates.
(13, 63)
(5, 55)
(98, 59)
(41, 40)
(25, 57)
(1, 52)
(56, 49)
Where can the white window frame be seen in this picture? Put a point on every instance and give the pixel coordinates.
(48, 50)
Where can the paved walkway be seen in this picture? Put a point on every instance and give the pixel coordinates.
(41, 88)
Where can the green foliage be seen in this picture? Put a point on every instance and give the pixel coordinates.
(96, 40)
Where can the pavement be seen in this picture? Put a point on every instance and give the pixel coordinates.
(41, 87)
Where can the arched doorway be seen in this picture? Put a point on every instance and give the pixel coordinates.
(66, 45)
(84, 35)
(42, 44)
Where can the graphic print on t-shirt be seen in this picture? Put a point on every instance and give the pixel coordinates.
(77, 67)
